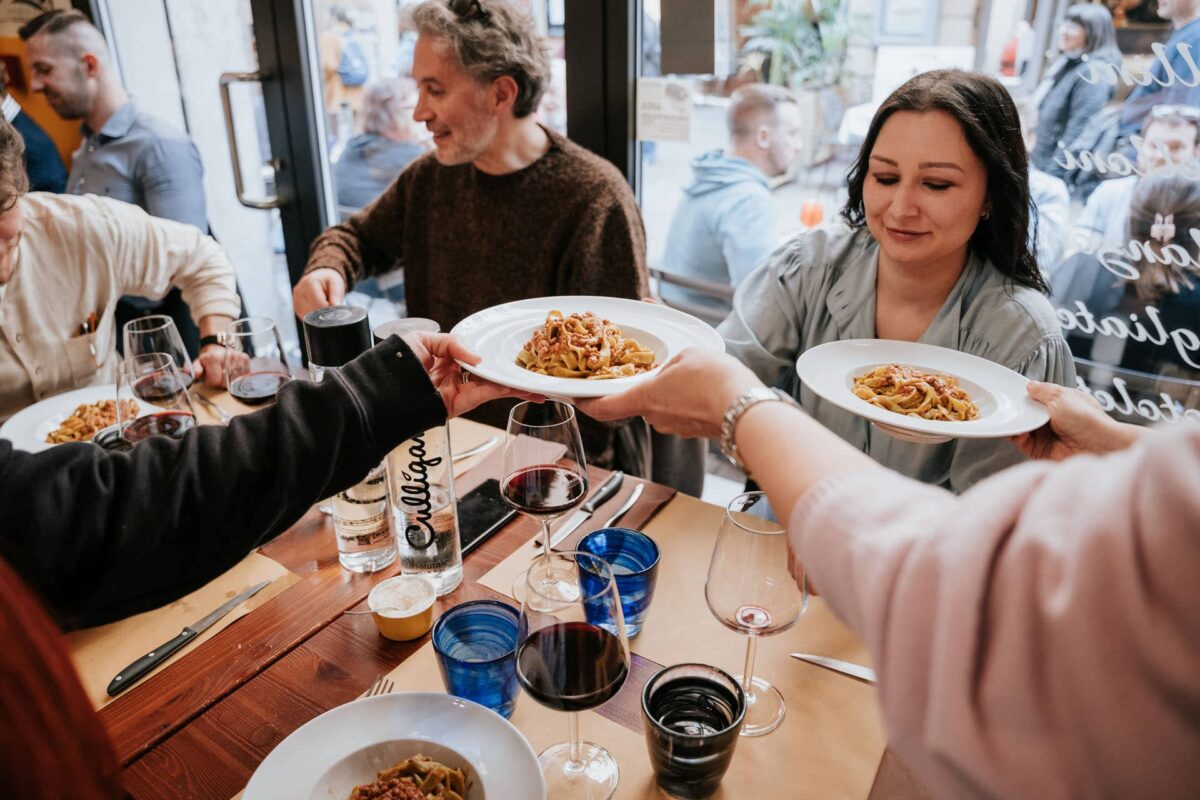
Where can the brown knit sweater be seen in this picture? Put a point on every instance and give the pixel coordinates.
(566, 224)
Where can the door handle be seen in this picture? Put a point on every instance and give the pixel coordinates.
(227, 80)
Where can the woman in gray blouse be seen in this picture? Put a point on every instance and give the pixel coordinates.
(934, 249)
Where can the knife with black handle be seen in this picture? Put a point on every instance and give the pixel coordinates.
(138, 669)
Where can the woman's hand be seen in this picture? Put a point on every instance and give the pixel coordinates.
(1077, 425)
(688, 396)
(439, 354)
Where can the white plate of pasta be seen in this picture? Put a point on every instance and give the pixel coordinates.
(350, 746)
(920, 392)
(31, 427)
(579, 346)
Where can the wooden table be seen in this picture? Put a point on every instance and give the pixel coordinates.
(201, 726)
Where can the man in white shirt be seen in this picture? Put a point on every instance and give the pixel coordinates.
(64, 262)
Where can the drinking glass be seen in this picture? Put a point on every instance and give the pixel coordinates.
(157, 334)
(566, 663)
(545, 476)
(691, 715)
(153, 383)
(634, 558)
(255, 363)
(476, 644)
(750, 590)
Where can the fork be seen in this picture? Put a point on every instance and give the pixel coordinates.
(381, 685)
(221, 414)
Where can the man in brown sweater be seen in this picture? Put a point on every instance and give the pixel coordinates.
(503, 209)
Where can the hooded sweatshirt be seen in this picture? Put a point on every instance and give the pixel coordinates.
(724, 227)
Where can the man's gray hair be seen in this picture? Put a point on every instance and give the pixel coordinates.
(491, 39)
(748, 103)
(387, 104)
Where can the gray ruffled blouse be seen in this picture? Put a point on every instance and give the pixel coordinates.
(820, 287)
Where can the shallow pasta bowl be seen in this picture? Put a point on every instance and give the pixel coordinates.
(29, 427)
(498, 333)
(1005, 408)
(328, 756)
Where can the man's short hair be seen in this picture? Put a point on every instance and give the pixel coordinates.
(749, 103)
(1173, 115)
(52, 22)
(491, 39)
(14, 182)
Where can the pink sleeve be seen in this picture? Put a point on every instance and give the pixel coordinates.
(1037, 636)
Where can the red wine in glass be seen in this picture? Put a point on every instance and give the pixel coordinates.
(158, 389)
(545, 490)
(163, 423)
(254, 388)
(571, 666)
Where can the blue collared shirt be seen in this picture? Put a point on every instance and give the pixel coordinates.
(142, 160)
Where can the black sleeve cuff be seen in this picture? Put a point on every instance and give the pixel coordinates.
(397, 398)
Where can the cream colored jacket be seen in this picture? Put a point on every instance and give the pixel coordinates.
(77, 256)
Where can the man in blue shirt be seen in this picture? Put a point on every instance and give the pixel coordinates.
(726, 223)
(126, 154)
(43, 164)
(1181, 51)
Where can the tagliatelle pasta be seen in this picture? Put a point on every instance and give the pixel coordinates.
(416, 778)
(914, 393)
(583, 346)
(87, 419)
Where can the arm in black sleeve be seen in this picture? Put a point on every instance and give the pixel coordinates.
(104, 535)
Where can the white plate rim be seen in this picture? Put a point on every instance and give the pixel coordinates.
(22, 427)
(1022, 413)
(301, 774)
(684, 330)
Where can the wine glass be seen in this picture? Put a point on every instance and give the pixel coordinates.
(255, 363)
(545, 476)
(750, 590)
(567, 661)
(157, 334)
(152, 381)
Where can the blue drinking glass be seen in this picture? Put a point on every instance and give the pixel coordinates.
(476, 644)
(633, 557)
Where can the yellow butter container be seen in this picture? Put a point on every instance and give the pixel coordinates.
(402, 607)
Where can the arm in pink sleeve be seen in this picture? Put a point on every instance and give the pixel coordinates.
(1037, 636)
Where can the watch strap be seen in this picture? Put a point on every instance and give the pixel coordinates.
(211, 338)
(733, 414)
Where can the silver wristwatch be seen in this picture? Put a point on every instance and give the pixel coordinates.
(759, 394)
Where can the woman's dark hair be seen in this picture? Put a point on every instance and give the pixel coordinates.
(1099, 36)
(985, 111)
(1166, 193)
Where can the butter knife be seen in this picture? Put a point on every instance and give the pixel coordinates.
(479, 448)
(138, 669)
(856, 671)
(221, 414)
(602, 495)
(634, 496)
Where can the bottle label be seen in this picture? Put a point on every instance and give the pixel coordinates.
(416, 495)
(364, 532)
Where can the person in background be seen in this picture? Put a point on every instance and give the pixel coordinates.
(126, 154)
(1051, 201)
(503, 209)
(1181, 50)
(1068, 97)
(1171, 135)
(64, 262)
(43, 164)
(726, 223)
(99, 535)
(935, 249)
(1038, 636)
(388, 143)
(1156, 285)
(345, 68)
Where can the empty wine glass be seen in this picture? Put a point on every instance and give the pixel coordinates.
(568, 663)
(157, 334)
(545, 476)
(750, 590)
(255, 364)
(151, 383)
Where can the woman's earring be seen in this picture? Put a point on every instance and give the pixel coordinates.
(987, 212)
